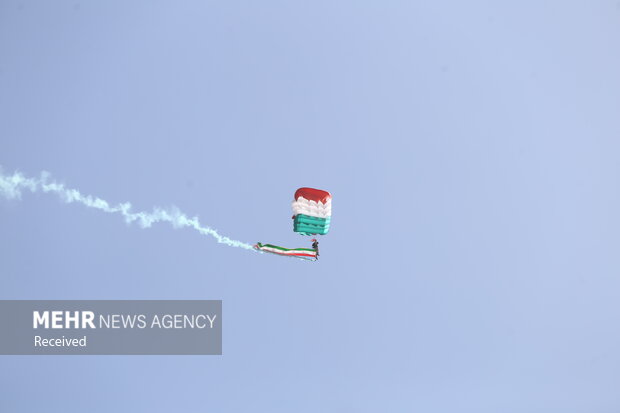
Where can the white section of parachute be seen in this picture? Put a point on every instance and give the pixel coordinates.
(312, 208)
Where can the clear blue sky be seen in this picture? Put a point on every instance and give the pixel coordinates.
(471, 149)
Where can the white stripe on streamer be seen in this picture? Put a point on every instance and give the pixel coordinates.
(11, 187)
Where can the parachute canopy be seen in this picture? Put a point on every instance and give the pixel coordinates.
(312, 209)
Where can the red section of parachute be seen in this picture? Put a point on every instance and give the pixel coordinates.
(316, 195)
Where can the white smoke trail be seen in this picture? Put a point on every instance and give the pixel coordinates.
(11, 187)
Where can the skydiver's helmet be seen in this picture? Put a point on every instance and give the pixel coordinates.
(313, 240)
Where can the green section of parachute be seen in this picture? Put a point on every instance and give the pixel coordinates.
(307, 225)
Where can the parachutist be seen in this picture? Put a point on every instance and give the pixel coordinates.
(312, 211)
(315, 246)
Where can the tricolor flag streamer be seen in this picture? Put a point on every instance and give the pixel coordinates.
(12, 186)
(303, 253)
